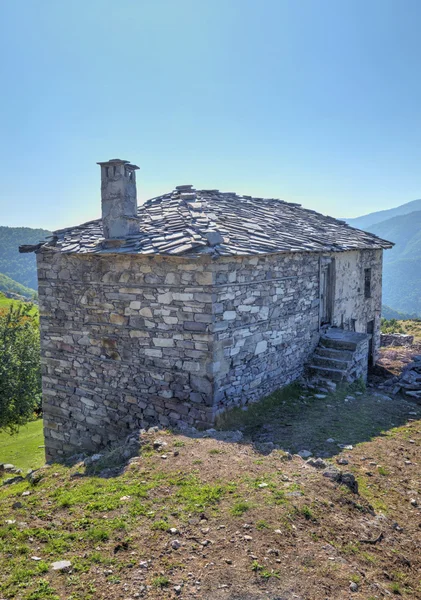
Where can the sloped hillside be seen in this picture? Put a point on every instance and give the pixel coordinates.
(10, 285)
(199, 518)
(366, 221)
(402, 264)
(20, 267)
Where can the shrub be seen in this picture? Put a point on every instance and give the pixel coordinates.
(20, 368)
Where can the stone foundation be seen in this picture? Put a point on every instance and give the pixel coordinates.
(396, 339)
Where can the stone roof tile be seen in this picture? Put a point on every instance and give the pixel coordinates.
(193, 222)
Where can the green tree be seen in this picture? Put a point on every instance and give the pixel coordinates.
(20, 368)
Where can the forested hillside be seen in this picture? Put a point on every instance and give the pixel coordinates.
(10, 285)
(20, 267)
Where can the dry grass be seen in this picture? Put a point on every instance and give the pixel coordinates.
(298, 534)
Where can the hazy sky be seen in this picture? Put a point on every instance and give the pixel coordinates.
(312, 101)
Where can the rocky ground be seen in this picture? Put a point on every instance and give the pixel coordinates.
(229, 515)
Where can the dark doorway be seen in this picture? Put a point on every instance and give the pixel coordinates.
(370, 330)
(326, 292)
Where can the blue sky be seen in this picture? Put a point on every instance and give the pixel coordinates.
(311, 101)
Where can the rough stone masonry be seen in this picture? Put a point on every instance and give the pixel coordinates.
(194, 302)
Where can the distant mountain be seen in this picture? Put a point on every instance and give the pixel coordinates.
(383, 215)
(9, 285)
(390, 313)
(19, 267)
(402, 264)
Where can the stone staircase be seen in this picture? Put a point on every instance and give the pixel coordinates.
(340, 357)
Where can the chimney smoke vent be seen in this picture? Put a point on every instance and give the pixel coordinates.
(118, 198)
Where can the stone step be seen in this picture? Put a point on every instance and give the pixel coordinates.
(332, 353)
(338, 344)
(331, 363)
(328, 373)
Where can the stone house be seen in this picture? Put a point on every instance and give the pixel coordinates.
(194, 302)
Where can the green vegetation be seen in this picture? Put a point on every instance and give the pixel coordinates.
(111, 528)
(257, 413)
(20, 267)
(26, 448)
(20, 368)
(8, 302)
(9, 285)
(407, 326)
(391, 326)
(160, 581)
(240, 508)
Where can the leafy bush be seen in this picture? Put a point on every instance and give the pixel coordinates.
(20, 368)
(391, 326)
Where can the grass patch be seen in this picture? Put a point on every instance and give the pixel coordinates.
(257, 413)
(240, 508)
(262, 571)
(161, 581)
(196, 495)
(23, 448)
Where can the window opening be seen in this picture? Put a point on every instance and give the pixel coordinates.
(367, 283)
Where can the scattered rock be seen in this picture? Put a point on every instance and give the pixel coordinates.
(16, 505)
(332, 473)
(35, 558)
(12, 480)
(9, 468)
(320, 396)
(349, 480)
(35, 477)
(330, 441)
(263, 485)
(92, 459)
(414, 502)
(175, 545)
(317, 463)
(143, 564)
(61, 565)
(247, 538)
(353, 587)
(305, 453)
(173, 531)
(158, 444)
(177, 589)
(286, 456)
(342, 461)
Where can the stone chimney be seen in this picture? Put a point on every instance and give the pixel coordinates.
(118, 198)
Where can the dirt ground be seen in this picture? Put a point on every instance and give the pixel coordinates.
(204, 518)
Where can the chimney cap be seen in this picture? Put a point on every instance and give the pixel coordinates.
(118, 161)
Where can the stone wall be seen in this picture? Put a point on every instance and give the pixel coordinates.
(266, 316)
(396, 339)
(266, 324)
(130, 340)
(126, 340)
(352, 311)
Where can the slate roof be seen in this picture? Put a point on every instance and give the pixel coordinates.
(192, 222)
